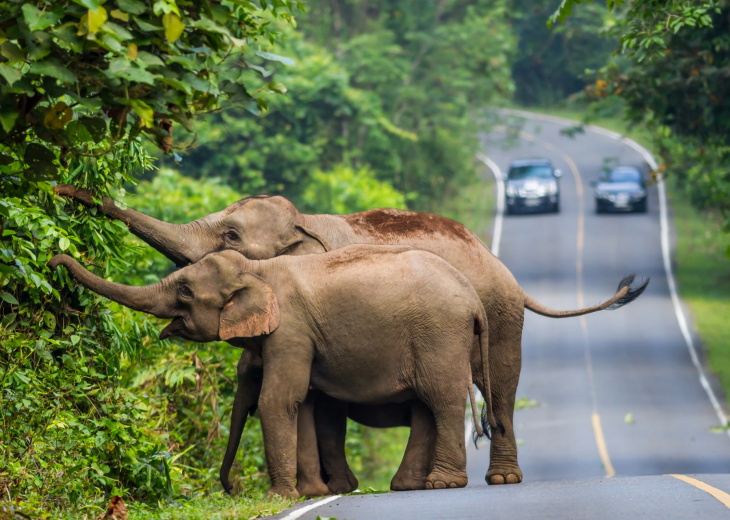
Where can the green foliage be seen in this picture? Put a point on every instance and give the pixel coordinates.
(344, 190)
(80, 82)
(375, 454)
(551, 65)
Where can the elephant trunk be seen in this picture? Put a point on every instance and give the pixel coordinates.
(176, 241)
(149, 299)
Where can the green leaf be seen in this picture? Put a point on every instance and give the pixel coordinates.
(117, 31)
(50, 320)
(173, 26)
(275, 57)
(90, 4)
(40, 159)
(146, 26)
(75, 339)
(9, 298)
(144, 111)
(78, 132)
(63, 243)
(149, 60)
(277, 87)
(125, 69)
(10, 74)
(110, 43)
(131, 6)
(119, 15)
(53, 68)
(96, 126)
(38, 20)
(179, 85)
(11, 51)
(8, 116)
(210, 26)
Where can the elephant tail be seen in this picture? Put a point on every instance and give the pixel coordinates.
(488, 422)
(624, 294)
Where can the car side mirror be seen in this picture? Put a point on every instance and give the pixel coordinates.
(557, 173)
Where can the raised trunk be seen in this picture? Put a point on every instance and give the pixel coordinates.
(149, 299)
(172, 240)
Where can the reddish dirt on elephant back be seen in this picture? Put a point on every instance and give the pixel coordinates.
(391, 223)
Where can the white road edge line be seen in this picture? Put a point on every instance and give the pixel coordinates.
(666, 256)
(306, 509)
(497, 235)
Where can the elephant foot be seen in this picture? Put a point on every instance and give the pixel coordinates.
(439, 480)
(407, 483)
(313, 489)
(340, 485)
(504, 476)
(284, 492)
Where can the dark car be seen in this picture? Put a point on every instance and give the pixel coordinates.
(532, 185)
(622, 188)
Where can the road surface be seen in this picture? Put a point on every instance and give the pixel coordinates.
(617, 403)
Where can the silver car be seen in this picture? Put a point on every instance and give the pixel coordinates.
(532, 185)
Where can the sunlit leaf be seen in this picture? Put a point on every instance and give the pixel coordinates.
(173, 26)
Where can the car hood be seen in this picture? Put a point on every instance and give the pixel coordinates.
(619, 187)
(530, 183)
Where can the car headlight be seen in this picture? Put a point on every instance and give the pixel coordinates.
(552, 188)
(603, 195)
(637, 195)
(511, 191)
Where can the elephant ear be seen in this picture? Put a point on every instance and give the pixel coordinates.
(252, 310)
(312, 242)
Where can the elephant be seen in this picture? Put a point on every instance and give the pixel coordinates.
(262, 227)
(368, 324)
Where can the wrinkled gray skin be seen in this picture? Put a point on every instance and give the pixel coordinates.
(367, 324)
(264, 227)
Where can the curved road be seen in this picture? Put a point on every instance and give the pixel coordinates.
(617, 404)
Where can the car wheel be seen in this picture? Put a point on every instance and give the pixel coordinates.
(556, 207)
(599, 209)
(641, 208)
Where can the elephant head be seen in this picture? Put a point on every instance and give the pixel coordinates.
(258, 227)
(213, 299)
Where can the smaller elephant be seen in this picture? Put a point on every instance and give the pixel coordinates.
(363, 324)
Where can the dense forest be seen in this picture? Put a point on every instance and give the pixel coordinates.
(178, 109)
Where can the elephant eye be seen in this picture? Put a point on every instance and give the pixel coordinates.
(185, 292)
(231, 236)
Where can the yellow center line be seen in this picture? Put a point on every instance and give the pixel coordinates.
(596, 419)
(717, 493)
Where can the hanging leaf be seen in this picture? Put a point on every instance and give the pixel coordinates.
(58, 116)
(53, 68)
(144, 111)
(10, 74)
(275, 57)
(132, 51)
(173, 27)
(40, 160)
(96, 18)
(119, 15)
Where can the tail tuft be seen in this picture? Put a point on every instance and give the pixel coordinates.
(485, 423)
(632, 293)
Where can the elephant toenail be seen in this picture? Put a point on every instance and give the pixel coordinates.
(429, 485)
(512, 479)
(496, 480)
(453, 485)
(439, 485)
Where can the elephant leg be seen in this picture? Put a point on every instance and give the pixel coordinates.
(309, 476)
(250, 372)
(505, 362)
(331, 420)
(417, 460)
(287, 369)
(444, 393)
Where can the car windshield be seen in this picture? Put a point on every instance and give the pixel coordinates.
(530, 171)
(621, 176)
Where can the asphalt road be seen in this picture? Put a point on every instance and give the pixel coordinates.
(618, 404)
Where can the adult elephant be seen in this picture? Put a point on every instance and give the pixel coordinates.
(370, 324)
(262, 227)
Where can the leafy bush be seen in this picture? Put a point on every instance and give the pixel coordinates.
(79, 83)
(344, 190)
